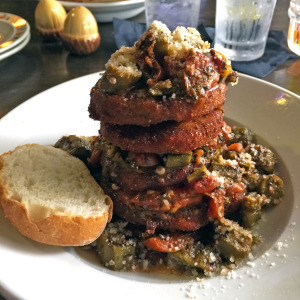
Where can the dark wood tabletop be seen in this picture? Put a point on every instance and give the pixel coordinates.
(41, 65)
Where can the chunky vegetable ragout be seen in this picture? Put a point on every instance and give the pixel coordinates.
(235, 183)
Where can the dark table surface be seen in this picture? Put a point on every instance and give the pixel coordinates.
(41, 65)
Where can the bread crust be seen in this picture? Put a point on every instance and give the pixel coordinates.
(57, 229)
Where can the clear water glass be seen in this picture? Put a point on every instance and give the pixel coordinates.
(173, 13)
(242, 28)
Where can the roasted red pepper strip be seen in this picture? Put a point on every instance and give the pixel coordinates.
(206, 184)
(226, 131)
(198, 154)
(238, 147)
(169, 244)
(176, 199)
(236, 192)
(216, 204)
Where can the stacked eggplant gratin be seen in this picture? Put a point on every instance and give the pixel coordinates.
(186, 187)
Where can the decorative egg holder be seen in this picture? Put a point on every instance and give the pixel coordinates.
(78, 30)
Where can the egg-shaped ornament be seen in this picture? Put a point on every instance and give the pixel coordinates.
(80, 34)
(49, 17)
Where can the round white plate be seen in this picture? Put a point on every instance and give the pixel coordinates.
(34, 271)
(13, 31)
(15, 49)
(105, 12)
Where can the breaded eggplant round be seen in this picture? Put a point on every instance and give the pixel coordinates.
(144, 110)
(165, 137)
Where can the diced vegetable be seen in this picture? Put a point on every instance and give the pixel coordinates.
(196, 175)
(251, 208)
(238, 147)
(168, 243)
(76, 146)
(235, 192)
(197, 256)
(245, 161)
(227, 65)
(226, 71)
(116, 247)
(206, 184)
(216, 204)
(262, 156)
(272, 186)
(198, 154)
(233, 242)
(115, 257)
(226, 168)
(178, 160)
(236, 152)
(242, 135)
(171, 200)
(252, 180)
(114, 82)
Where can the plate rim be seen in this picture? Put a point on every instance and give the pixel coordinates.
(270, 84)
(101, 5)
(21, 38)
(15, 49)
(14, 29)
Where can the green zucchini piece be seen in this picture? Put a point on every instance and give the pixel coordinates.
(242, 135)
(233, 240)
(197, 256)
(76, 146)
(198, 174)
(263, 157)
(252, 180)
(226, 170)
(251, 208)
(115, 257)
(271, 186)
(178, 160)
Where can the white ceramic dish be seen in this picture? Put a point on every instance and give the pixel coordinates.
(15, 49)
(13, 31)
(105, 12)
(34, 271)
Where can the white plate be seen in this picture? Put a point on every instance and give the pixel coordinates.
(13, 31)
(34, 271)
(105, 12)
(15, 49)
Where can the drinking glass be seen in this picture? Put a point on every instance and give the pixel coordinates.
(242, 28)
(173, 13)
(294, 28)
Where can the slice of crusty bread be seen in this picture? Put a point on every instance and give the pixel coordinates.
(50, 196)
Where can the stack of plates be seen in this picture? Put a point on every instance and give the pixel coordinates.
(105, 12)
(14, 34)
